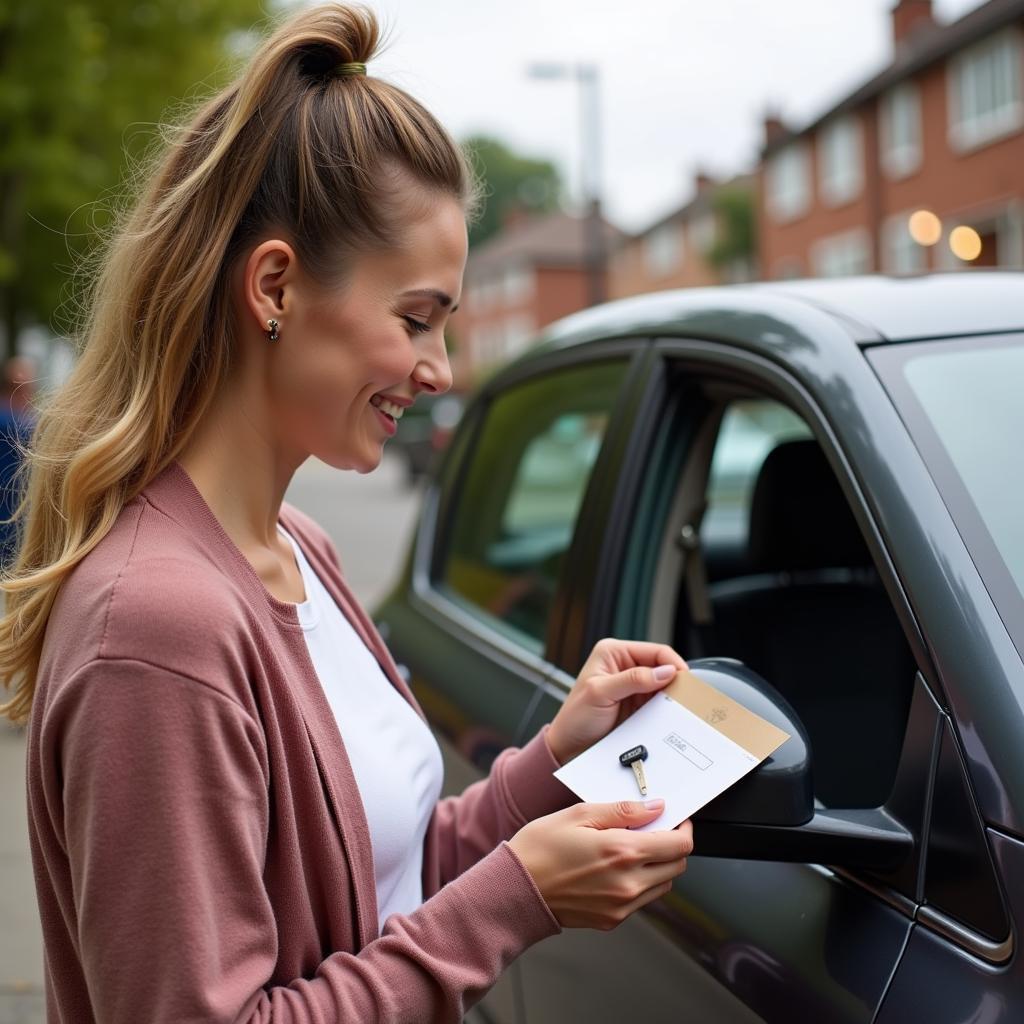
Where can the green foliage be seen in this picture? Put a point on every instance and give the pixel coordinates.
(511, 180)
(84, 86)
(734, 207)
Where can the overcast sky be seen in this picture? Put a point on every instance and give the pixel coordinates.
(683, 82)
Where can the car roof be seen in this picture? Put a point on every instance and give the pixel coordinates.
(870, 308)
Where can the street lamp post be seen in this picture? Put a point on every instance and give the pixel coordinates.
(588, 78)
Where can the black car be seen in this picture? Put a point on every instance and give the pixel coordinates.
(813, 491)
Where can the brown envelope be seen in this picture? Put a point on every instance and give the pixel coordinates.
(742, 726)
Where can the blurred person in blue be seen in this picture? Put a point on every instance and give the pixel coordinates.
(17, 418)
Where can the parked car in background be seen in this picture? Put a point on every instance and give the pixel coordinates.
(813, 491)
(424, 431)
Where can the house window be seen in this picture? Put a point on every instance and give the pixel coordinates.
(663, 249)
(517, 331)
(839, 255)
(703, 231)
(841, 162)
(900, 253)
(901, 130)
(788, 182)
(985, 91)
(788, 269)
(518, 284)
(485, 293)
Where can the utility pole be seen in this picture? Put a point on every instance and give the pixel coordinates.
(595, 255)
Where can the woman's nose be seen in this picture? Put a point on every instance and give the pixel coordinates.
(434, 373)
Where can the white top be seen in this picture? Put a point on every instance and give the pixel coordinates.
(395, 757)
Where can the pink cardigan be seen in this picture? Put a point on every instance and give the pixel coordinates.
(199, 845)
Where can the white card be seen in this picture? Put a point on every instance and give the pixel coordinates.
(690, 760)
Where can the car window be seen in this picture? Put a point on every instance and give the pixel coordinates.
(961, 402)
(780, 578)
(520, 499)
(749, 431)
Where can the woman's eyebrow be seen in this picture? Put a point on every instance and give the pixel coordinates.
(434, 293)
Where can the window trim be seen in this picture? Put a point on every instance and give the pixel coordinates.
(663, 250)
(843, 241)
(837, 191)
(893, 225)
(798, 155)
(901, 161)
(966, 134)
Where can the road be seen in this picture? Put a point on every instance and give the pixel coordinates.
(370, 518)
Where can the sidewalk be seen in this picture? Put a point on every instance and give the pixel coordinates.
(21, 943)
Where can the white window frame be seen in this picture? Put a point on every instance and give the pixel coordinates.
(827, 252)
(517, 331)
(703, 231)
(900, 253)
(788, 182)
(663, 249)
(972, 127)
(518, 284)
(1007, 220)
(840, 160)
(900, 111)
(788, 268)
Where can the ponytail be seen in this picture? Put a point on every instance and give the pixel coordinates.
(290, 145)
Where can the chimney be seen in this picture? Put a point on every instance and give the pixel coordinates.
(702, 180)
(774, 128)
(909, 19)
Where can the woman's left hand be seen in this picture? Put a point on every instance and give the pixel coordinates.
(618, 677)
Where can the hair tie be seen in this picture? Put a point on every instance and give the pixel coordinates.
(353, 67)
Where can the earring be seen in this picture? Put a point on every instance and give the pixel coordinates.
(273, 325)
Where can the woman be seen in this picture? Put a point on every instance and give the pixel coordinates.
(234, 815)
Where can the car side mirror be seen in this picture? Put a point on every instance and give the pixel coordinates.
(770, 814)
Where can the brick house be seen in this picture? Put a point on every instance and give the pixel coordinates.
(673, 252)
(938, 133)
(517, 282)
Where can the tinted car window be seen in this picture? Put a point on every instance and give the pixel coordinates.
(750, 430)
(521, 496)
(961, 402)
(784, 581)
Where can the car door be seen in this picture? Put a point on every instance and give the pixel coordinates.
(785, 941)
(478, 609)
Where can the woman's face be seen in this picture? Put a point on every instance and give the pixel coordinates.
(380, 334)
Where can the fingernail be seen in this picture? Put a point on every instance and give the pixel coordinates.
(663, 672)
(658, 802)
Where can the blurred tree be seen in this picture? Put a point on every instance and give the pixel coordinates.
(84, 85)
(512, 180)
(734, 210)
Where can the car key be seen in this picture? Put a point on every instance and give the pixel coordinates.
(634, 758)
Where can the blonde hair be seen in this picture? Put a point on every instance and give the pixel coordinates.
(290, 145)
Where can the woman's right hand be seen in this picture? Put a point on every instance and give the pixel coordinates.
(592, 870)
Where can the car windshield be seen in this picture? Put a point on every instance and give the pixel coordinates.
(962, 403)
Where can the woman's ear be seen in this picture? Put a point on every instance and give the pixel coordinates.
(268, 281)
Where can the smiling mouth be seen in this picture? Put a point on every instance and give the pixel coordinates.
(389, 409)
